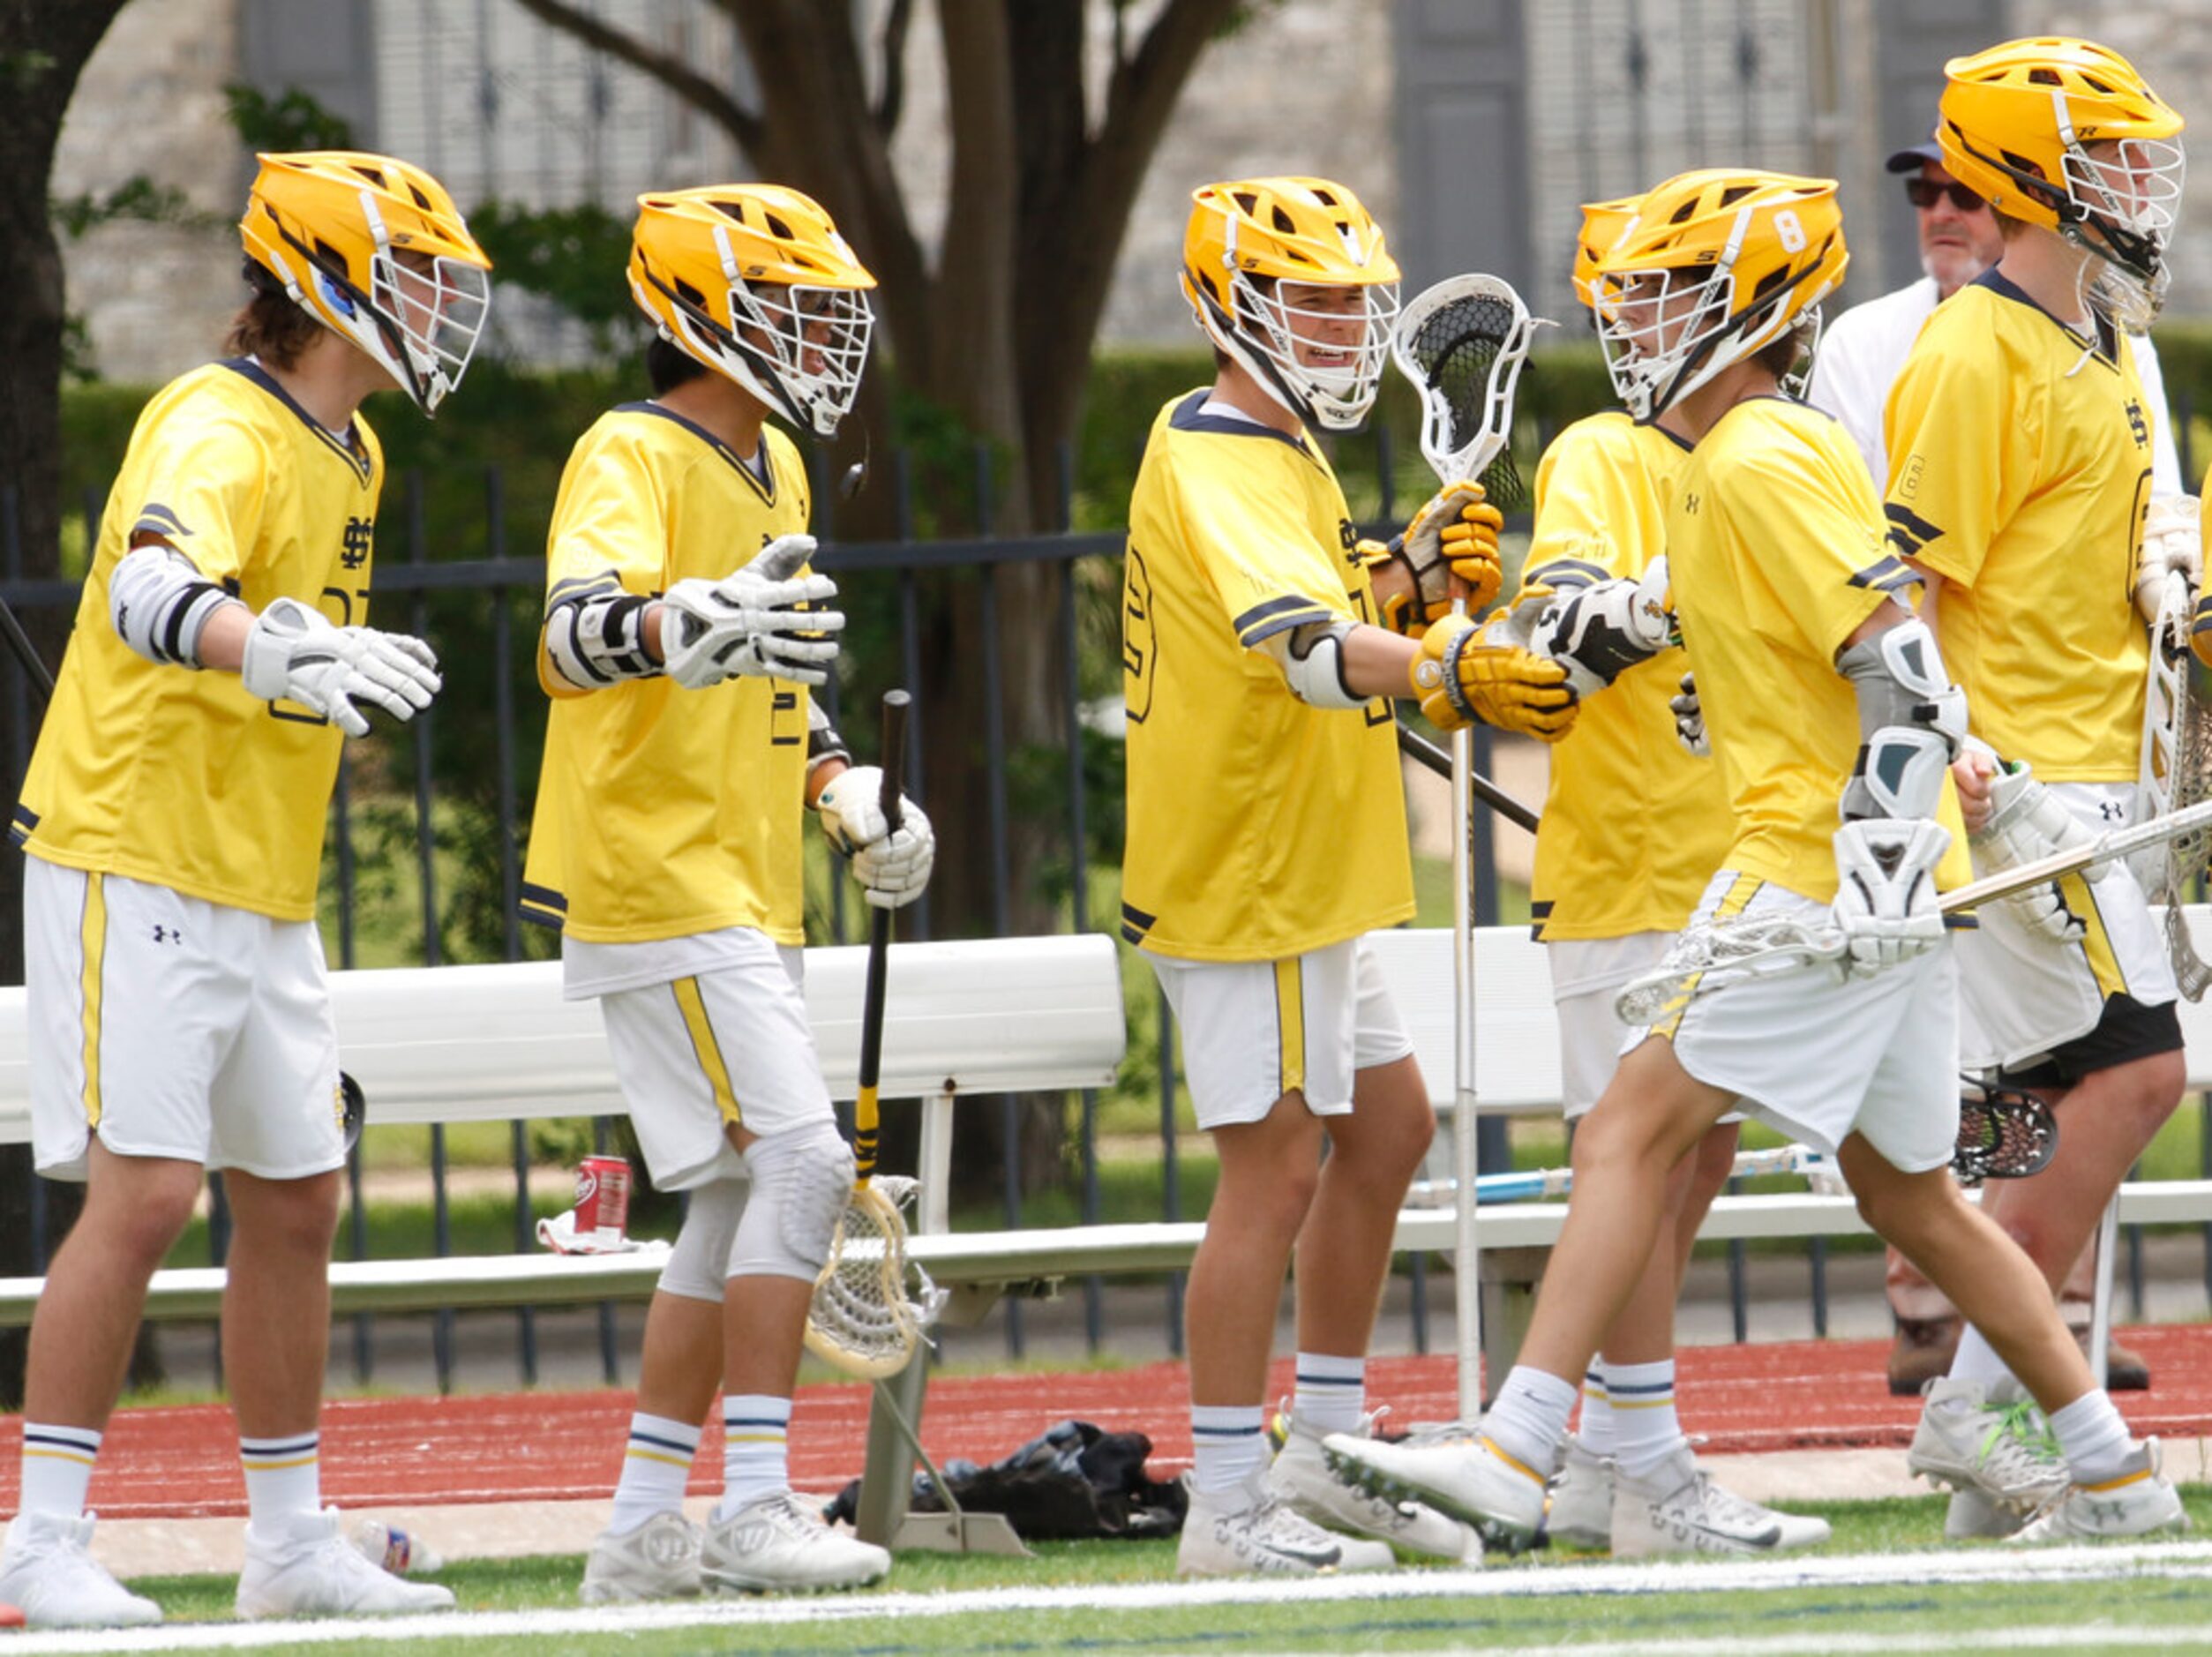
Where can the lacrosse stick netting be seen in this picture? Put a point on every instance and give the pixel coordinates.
(872, 1306)
(2177, 771)
(1462, 343)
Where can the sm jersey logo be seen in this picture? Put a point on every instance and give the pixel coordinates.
(1140, 638)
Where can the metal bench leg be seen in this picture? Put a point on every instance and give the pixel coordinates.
(2108, 1236)
(893, 1446)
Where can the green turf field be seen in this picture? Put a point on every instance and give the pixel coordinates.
(1881, 1586)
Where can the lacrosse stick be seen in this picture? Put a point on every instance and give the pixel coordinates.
(2003, 1134)
(1462, 343)
(1707, 958)
(2177, 770)
(871, 1303)
(1426, 753)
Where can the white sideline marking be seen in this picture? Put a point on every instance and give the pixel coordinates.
(2101, 1634)
(2106, 1563)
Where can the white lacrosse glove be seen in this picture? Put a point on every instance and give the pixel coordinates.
(2172, 545)
(1886, 891)
(2027, 822)
(892, 866)
(1600, 631)
(295, 653)
(750, 622)
(1688, 713)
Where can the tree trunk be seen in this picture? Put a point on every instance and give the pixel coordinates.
(43, 47)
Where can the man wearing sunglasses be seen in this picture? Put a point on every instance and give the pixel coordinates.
(1861, 355)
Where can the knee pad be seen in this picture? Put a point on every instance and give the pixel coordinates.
(800, 1181)
(699, 1263)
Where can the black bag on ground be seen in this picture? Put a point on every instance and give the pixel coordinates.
(1076, 1482)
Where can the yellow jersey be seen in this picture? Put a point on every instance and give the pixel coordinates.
(1774, 548)
(663, 812)
(179, 778)
(2020, 472)
(1634, 825)
(1258, 828)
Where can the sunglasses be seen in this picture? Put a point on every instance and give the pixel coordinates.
(1925, 193)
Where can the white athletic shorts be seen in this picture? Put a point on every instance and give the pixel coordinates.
(1586, 973)
(2021, 995)
(1252, 1031)
(1820, 1056)
(728, 1046)
(174, 1027)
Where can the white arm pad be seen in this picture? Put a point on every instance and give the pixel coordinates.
(1312, 660)
(1912, 722)
(159, 603)
(597, 639)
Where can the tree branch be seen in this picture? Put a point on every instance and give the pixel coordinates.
(888, 108)
(693, 88)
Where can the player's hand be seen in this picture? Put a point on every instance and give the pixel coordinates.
(1459, 678)
(1886, 891)
(1600, 631)
(761, 619)
(295, 653)
(1450, 551)
(2025, 822)
(1688, 713)
(892, 864)
(2201, 630)
(2172, 545)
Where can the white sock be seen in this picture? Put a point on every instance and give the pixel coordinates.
(1227, 1447)
(1595, 1429)
(1330, 1394)
(57, 1464)
(1978, 1361)
(655, 1467)
(2094, 1438)
(1530, 1417)
(1645, 1428)
(755, 1454)
(284, 1478)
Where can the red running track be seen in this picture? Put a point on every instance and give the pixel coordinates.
(549, 1446)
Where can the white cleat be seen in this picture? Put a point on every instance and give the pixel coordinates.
(311, 1570)
(1973, 1517)
(776, 1545)
(48, 1572)
(1580, 1512)
(1990, 1439)
(2139, 1502)
(1301, 1479)
(1676, 1509)
(1468, 1479)
(1247, 1531)
(658, 1560)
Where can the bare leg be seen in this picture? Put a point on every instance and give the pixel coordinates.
(1343, 1248)
(1270, 1172)
(1652, 1112)
(276, 1303)
(1970, 1259)
(680, 1364)
(1644, 1330)
(87, 1317)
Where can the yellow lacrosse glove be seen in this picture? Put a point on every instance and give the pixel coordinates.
(1458, 679)
(1448, 551)
(2201, 630)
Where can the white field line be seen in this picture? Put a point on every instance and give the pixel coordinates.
(2107, 1563)
(2102, 1634)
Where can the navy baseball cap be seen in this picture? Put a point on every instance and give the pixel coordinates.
(1912, 159)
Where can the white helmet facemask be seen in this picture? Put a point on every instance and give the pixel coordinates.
(430, 318)
(1264, 335)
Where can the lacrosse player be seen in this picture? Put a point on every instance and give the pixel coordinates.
(1860, 352)
(1826, 698)
(174, 818)
(2021, 461)
(1611, 889)
(1266, 834)
(682, 633)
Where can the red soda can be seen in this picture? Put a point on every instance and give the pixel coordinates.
(602, 1198)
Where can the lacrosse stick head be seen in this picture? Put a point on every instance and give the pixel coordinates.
(1462, 343)
(2003, 1134)
(1716, 266)
(873, 1306)
(1260, 255)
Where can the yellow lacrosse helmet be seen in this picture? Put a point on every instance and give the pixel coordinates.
(1716, 264)
(755, 281)
(1602, 222)
(2015, 125)
(329, 225)
(1248, 236)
